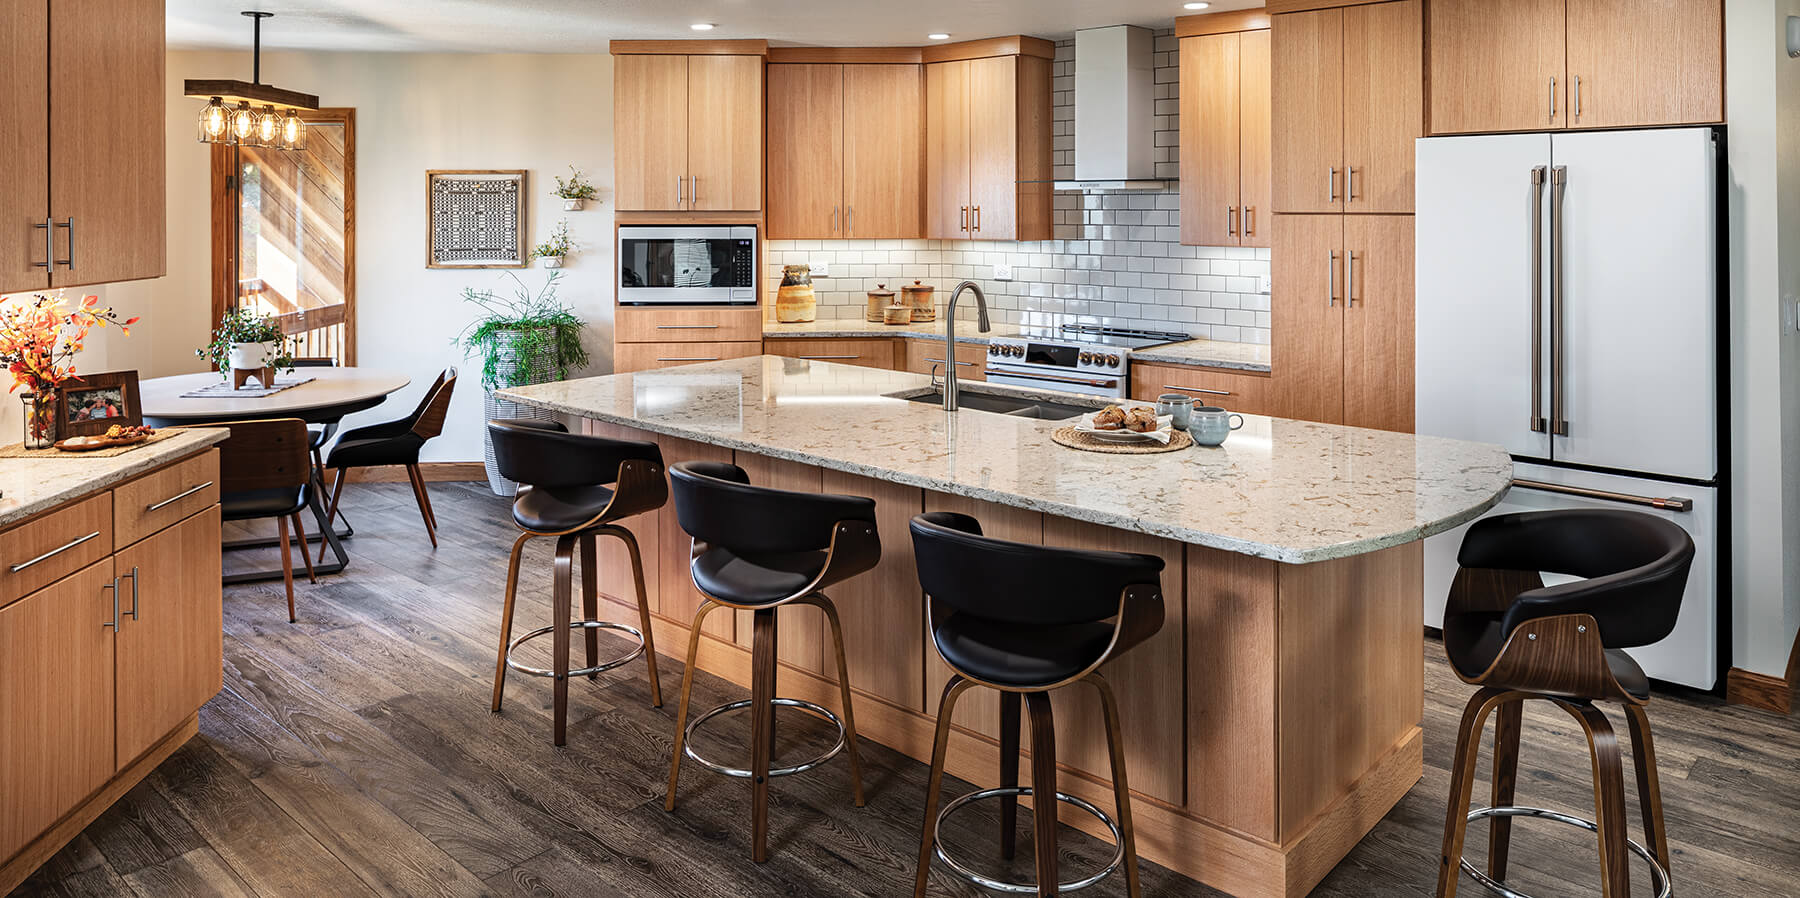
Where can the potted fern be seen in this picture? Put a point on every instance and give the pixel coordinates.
(575, 192)
(528, 337)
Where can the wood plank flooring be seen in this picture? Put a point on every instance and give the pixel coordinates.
(352, 754)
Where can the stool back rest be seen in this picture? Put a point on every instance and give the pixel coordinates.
(427, 420)
(266, 454)
(716, 504)
(1637, 568)
(545, 455)
(1029, 584)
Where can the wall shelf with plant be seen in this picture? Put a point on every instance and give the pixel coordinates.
(555, 249)
(576, 191)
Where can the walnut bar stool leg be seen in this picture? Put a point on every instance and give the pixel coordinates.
(643, 603)
(1609, 798)
(590, 601)
(849, 713)
(1115, 749)
(506, 617)
(1462, 783)
(1643, 756)
(681, 705)
(1009, 773)
(939, 748)
(562, 597)
(1043, 788)
(762, 722)
(1507, 723)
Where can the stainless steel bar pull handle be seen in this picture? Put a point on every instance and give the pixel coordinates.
(1331, 185)
(693, 190)
(1350, 279)
(1538, 424)
(1559, 421)
(1577, 103)
(1349, 183)
(965, 219)
(69, 224)
(1552, 98)
(1196, 390)
(134, 594)
(49, 263)
(834, 219)
(686, 327)
(680, 189)
(1249, 221)
(1668, 503)
(849, 219)
(114, 588)
(1231, 220)
(941, 361)
(829, 357)
(177, 497)
(1330, 277)
(977, 224)
(690, 358)
(56, 551)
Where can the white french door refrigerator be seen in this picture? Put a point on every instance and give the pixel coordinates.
(1568, 291)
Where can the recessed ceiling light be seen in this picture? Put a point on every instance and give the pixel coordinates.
(1195, 5)
(702, 26)
(938, 36)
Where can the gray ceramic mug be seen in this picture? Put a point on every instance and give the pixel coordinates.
(1209, 425)
(1178, 407)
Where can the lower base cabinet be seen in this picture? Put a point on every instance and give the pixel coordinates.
(1242, 392)
(870, 353)
(170, 643)
(651, 356)
(927, 357)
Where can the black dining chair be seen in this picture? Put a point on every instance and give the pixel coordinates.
(1025, 619)
(575, 488)
(1519, 640)
(264, 472)
(758, 549)
(394, 443)
(319, 433)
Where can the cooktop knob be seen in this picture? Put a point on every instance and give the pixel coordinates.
(1112, 361)
(1086, 358)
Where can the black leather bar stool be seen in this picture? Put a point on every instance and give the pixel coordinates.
(1517, 639)
(1026, 619)
(760, 549)
(575, 488)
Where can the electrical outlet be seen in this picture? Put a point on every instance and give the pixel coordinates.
(1002, 272)
(1265, 285)
(820, 269)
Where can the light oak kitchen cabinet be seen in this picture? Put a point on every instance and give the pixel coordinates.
(868, 353)
(987, 141)
(82, 143)
(1225, 135)
(1347, 102)
(846, 150)
(1342, 327)
(688, 129)
(645, 338)
(1244, 392)
(1538, 65)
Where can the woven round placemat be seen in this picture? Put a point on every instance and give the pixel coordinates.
(1074, 439)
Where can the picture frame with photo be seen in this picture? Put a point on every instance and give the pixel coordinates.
(90, 404)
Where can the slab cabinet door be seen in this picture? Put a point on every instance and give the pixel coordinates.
(1211, 214)
(1307, 63)
(650, 132)
(1378, 322)
(1255, 132)
(947, 150)
(169, 653)
(1307, 325)
(994, 147)
(107, 144)
(884, 151)
(1384, 106)
(725, 133)
(1492, 66)
(24, 150)
(806, 151)
(1651, 62)
(56, 702)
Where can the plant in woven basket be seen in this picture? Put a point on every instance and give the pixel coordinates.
(525, 338)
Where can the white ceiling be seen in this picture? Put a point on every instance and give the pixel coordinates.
(585, 26)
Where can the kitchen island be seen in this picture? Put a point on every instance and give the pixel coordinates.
(1271, 722)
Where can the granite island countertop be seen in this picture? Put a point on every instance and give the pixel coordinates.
(1292, 491)
(30, 486)
(1199, 351)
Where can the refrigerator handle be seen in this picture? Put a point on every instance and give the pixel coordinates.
(1670, 503)
(1559, 409)
(1538, 424)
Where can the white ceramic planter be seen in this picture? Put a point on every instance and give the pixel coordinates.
(551, 261)
(574, 205)
(254, 355)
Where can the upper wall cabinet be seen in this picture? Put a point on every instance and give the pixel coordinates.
(846, 150)
(1225, 124)
(83, 200)
(1537, 65)
(1347, 104)
(987, 140)
(687, 130)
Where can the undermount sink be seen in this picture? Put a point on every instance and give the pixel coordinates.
(1014, 406)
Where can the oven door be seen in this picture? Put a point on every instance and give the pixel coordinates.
(1067, 382)
(687, 265)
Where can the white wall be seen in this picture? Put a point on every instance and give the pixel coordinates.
(414, 112)
(1763, 112)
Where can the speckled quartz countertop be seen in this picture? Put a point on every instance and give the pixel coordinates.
(1208, 354)
(1199, 352)
(1288, 490)
(29, 486)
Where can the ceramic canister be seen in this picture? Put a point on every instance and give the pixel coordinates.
(879, 299)
(922, 298)
(795, 300)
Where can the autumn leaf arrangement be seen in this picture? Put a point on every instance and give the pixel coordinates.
(40, 334)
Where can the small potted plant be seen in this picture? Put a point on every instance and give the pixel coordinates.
(527, 338)
(575, 192)
(246, 340)
(554, 250)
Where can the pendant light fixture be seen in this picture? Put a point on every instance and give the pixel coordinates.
(251, 114)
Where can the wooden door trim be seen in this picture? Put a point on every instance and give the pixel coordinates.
(746, 47)
(1222, 22)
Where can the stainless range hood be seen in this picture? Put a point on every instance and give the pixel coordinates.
(1115, 105)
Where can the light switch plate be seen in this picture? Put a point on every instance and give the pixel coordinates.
(1265, 285)
(1002, 272)
(820, 269)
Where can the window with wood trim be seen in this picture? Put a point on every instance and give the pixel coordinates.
(284, 234)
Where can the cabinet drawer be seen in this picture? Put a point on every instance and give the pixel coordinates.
(650, 356)
(160, 498)
(867, 353)
(695, 325)
(1241, 392)
(55, 544)
(924, 355)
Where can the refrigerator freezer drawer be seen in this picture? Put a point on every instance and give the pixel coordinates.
(1689, 655)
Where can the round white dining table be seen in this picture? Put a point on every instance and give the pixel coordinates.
(327, 398)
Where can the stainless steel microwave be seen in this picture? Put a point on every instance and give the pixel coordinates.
(687, 265)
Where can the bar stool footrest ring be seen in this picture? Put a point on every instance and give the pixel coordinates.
(744, 773)
(624, 659)
(1659, 878)
(1019, 888)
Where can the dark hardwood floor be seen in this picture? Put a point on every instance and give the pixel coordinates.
(353, 753)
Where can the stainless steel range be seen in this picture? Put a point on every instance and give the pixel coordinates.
(1075, 358)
